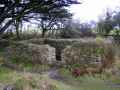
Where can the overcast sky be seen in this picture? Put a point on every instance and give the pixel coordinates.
(92, 9)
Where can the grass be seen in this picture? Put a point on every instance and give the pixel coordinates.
(22, 80)
(7, 75)
(34, 80)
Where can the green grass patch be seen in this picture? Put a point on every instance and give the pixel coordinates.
(5, 74)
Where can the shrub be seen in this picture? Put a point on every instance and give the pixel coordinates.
(78, 72)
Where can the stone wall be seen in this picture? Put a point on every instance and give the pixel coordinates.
(89, 54)
(69, 51)
(60, 44)
(33, 53)
(39, 41)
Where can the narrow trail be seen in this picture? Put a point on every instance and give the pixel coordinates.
(53, 74)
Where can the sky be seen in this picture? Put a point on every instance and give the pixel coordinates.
(92, 10)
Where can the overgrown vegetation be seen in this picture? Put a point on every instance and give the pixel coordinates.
(88, 60)
(23, 81)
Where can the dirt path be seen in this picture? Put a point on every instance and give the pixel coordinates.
(53, 74)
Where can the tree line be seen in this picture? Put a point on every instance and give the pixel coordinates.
(47, 12)
(52, 15)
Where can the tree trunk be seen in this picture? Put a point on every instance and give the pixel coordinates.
(44, 32)
(17, 31)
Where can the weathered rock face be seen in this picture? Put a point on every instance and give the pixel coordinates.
(42, 53)
(38, 54)
(88, 54)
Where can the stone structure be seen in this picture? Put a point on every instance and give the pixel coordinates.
(70, 51)
(42, 53)
(38, 54)
(60, 44)
(89, 54)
